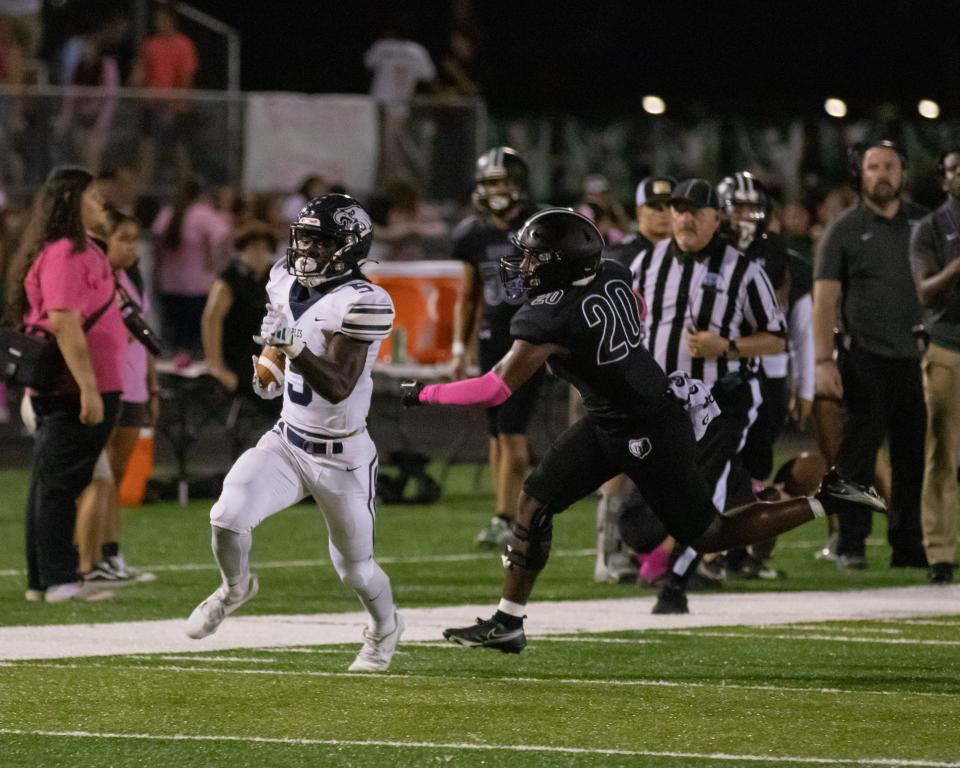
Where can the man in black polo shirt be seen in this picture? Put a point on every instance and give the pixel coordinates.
(935, 257)
(863, 266)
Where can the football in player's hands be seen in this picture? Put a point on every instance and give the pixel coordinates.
(269, 367)
(410, 393)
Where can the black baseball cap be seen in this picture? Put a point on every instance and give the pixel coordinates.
(655, 189)
(699, 192)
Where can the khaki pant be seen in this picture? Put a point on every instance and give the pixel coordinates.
(941, 384)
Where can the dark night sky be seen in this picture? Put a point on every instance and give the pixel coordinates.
(599, 58)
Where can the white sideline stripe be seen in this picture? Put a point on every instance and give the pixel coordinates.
(572, 681)
(306, 742)
(461, 558)
(562, 617)
(319, 563)
(851, 630)
(244, 659)
(930, 623)
(828, 638)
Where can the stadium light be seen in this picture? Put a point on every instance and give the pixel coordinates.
(835, 107)
(654, 105)
(929, 109)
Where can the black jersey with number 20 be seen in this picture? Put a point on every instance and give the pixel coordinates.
(600, 325)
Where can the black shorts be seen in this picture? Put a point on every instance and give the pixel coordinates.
(658, 454)
(513, 416)
(133, 415)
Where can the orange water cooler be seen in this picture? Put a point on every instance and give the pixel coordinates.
(133, 487)
(425, 294)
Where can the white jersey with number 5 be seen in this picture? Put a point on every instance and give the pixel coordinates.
(355, 308)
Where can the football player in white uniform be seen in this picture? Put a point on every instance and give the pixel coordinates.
(328, 320)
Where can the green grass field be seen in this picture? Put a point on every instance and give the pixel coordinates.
(831, 693)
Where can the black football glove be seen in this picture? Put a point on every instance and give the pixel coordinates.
(410, 393)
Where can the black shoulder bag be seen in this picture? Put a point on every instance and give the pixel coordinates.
(30, 356)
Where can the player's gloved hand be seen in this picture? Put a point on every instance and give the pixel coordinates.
(410, 393)
(273, 390)
(275, 332)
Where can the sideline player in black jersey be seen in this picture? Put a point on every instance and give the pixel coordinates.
(581, 316)
(744, 212)
(480, 241)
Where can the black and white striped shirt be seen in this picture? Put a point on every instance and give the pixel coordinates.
(717, 290)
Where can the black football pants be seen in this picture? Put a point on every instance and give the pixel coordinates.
(883, 398)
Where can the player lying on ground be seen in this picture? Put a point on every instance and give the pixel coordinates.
(328, 320)
(582, 318)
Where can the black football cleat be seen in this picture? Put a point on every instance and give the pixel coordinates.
(671, 600)
(488, 633)
(838, 494)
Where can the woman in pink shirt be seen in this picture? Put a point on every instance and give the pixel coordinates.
(67, 280)
(98, 517)
(190, 253)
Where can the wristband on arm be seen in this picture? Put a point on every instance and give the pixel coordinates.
(487, 390)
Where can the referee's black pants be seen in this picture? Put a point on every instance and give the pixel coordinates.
(64, 454)
(884, 398)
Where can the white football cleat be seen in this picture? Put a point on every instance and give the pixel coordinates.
(207, 616)
(377, 652)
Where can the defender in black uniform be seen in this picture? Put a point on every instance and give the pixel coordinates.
(480, 241)
(581, 316)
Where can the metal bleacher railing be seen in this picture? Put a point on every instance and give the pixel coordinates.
(209, 132)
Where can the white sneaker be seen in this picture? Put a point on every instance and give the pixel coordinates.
(494, 535)
(377, 652)
(616, 568)
(75, 590)
(118, 564)
(207, 616)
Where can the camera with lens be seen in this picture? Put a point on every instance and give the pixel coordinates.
(138, 327)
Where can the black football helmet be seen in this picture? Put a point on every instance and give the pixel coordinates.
(744, 224)
(330, 238)
(558, 247)
(500, 163)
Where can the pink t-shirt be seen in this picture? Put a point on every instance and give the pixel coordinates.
(83, 281)
(191, 269)
(135, 389)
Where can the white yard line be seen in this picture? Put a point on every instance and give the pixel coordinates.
(472, 746)
(804, 637)
(605, 683)
(568, 617)
(321, 563)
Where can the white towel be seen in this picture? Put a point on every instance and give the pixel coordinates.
(696, 399)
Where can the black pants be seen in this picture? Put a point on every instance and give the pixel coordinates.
(64, 454)
(883, 398)
(657, 453)
(718, 452)
(757, 453)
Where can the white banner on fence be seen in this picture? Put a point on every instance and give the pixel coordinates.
(289, 136)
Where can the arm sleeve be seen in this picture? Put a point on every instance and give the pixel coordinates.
(802, 352)
(368, 317)
(923, 249)
(760, 308)
(828, 260)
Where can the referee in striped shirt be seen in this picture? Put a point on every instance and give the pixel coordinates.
(710, 312)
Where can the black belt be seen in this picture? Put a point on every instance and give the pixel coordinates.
(310, 446)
